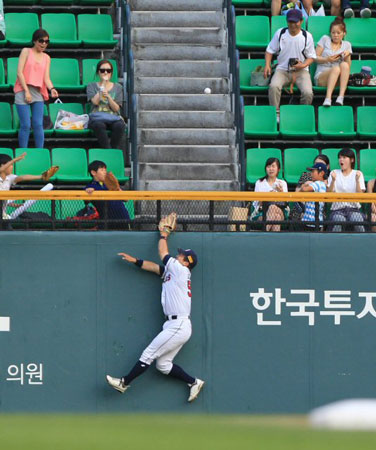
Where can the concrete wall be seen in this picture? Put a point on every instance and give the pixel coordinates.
(79, 310)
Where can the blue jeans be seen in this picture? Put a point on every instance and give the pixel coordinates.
(344, 215)
(25, 123)
(363, 4)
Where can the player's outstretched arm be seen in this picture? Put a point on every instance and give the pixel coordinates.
(162, 245)
(145, 265)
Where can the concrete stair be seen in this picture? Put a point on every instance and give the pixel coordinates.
(186, 138)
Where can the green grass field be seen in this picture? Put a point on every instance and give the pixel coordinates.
(180, 432)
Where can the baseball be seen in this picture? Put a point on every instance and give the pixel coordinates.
(207, 91)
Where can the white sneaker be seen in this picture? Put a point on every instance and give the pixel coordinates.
(327, 102)
(195, 389)
(339, 101)
(365, 13)
(348, 13)
(117, 383)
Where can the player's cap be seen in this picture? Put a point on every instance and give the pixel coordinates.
(294, 15)
(190, 256)
(321, 167)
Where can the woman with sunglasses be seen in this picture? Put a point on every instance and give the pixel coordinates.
(31, 88)
(106, 99)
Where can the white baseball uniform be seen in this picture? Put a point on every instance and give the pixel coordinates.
(176, 304)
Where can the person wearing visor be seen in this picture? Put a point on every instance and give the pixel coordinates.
(177, 329)
(31, 88)
(295, 51)
(317, 184)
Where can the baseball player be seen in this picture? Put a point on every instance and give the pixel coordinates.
(177, 329)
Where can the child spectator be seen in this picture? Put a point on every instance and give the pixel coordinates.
(318, 172)
(333, 62)
(270, 183)
(346, 179)
(113, 210)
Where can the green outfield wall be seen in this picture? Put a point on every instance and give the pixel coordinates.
(281, 322)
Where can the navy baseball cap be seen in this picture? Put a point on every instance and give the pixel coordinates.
(321, 167)
(294, 15)
(190, 255)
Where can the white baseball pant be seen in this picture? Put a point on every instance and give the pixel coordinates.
(166, 345)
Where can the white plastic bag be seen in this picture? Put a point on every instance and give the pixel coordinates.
(66, 120)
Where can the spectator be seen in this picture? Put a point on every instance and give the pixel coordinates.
(270, 183)
(299, 207)
(113, 210)
(318, 172)
(276, 6)
(346, 179)
(33, 80)
(348, 12)
(2, 21)
(106, 99)
(371, 188)
(295, 50)
(335, 6)
(333, 61)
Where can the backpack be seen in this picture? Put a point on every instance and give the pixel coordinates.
(283, 31)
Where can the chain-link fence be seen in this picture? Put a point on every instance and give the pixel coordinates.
(205, 212)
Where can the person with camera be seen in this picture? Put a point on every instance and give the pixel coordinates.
(295, 51)
(333, 62)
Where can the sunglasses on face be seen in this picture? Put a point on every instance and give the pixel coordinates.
(44, 41)
(105, 70)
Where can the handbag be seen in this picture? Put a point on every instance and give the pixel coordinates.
(257, 77)
(105, 117)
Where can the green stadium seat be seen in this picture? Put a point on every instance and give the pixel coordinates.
(95, 30)
(260, 121)
(356, 67)
(318, 26)
(336, 122)
(256, 158)
(72, 163)
(65, 74)
(16, 120)
(62, 29)
(297, 121)
(280, 22)
(366, 122)
(296, 162)
(56, 2)
(361, 33)
(20, 28)
(69, 208)
(245, 3)
(113, 158)
(96, 2)
(36, 161)
(367, 161)
(332, 154)
(7, 151)
(12, 64)
(75, 108)
(89, 67)
(252, 32)
(20, 2)
(3, 85)
(6, 123)
(246, 66)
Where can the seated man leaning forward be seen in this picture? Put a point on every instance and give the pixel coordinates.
(295, 52)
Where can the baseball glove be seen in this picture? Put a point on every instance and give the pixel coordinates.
(111, 182)
(49, 173)
(168, 224)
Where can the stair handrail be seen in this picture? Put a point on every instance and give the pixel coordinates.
(237, 100)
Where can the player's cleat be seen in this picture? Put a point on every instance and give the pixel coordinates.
(195, 389)
(117, 383)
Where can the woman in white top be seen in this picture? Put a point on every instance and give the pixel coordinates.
(333, 61)
(346, 179)
(270, 183)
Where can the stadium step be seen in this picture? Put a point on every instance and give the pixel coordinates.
(180, 85)
(219, 154)
(153, 19)
(176, 5)
(185, 136)
(195, 69)
(195, 102)
(192, 171)
(190, 119)
(192, 35)
(177, 52)
(189, 185)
